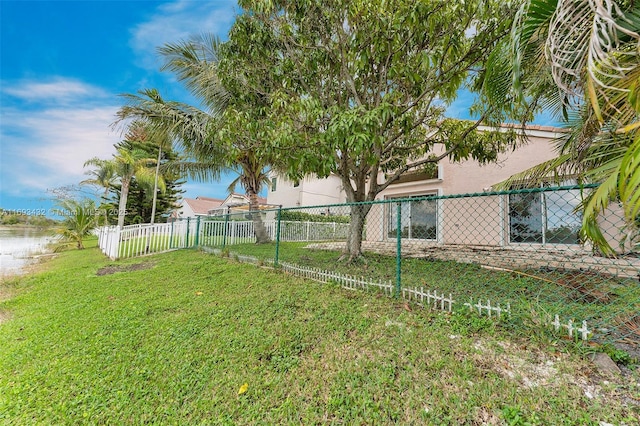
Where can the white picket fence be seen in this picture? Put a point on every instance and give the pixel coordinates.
(425, 298)
(138, 240)
(142, 239)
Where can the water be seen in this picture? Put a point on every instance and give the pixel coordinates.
(18, 245)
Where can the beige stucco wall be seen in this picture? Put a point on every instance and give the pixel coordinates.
(285, 194)
(316, 192)
(482, 220)
(309, 192)
(185, 211)
(475, 221)
(471, 177)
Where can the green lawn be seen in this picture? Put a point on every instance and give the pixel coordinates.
(171, 338)
(533, 295)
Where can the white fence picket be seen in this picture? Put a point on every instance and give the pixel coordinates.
(138, 240)
(141, 239)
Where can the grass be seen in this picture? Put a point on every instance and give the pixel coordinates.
(534, 295)
(171, 338)
(136, 246)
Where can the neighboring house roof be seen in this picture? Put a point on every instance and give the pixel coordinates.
(237, 201)
(199, 197)
(202, 205)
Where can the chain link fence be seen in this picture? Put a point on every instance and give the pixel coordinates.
(514, 255)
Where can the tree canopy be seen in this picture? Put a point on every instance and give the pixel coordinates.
(226, 133)
(359, 88)
(140, 200)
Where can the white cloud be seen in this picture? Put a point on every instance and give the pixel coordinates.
(56, 90)
(178, 21)
(47, 148)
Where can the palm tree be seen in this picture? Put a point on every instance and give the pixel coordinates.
(155, 185)
(205, 135)
(252, 176)
(160, 141)
(129, 163)
(103, 176)
(581, 60)
(79, 220)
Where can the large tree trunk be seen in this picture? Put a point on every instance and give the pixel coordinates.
(262, 236)
(359, 214)
(122, 206)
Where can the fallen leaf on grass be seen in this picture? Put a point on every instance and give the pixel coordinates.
(199, 293)
(243, 388)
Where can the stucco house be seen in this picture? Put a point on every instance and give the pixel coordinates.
(199, 206)
(206, 206)
(235, 203)
(486, 220)
(307, 192)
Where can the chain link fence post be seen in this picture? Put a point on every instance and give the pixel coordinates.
(186, 243)
(398, 249)
(275, 261)
(197, 239)
(171, 235)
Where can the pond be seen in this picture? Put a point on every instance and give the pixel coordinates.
(19, 245)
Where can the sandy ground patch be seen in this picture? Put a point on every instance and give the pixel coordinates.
(4, 316)
(112, 269)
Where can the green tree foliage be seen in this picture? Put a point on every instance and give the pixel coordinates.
(102, 176)
(359, 88)
(127, 164)
(140, 200)
(225, 135)
(80, 217)
(581, 60)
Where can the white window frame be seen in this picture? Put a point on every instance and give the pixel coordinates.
(389, 214)
(544, 219)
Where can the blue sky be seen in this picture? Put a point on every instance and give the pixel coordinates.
(63, 65)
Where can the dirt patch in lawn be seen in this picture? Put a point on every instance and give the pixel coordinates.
(4, 316)
(555, 370)
(112, 269)
(5, 293)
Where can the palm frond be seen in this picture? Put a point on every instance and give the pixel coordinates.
(629, 181)
(186, 124)
(195, 61)
(201, 171)
(587, 44)
(234, 183)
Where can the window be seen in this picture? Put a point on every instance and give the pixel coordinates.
(274, 181)
(418, 219)
(545, 217)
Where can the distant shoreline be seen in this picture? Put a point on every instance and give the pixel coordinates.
(23, 226)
